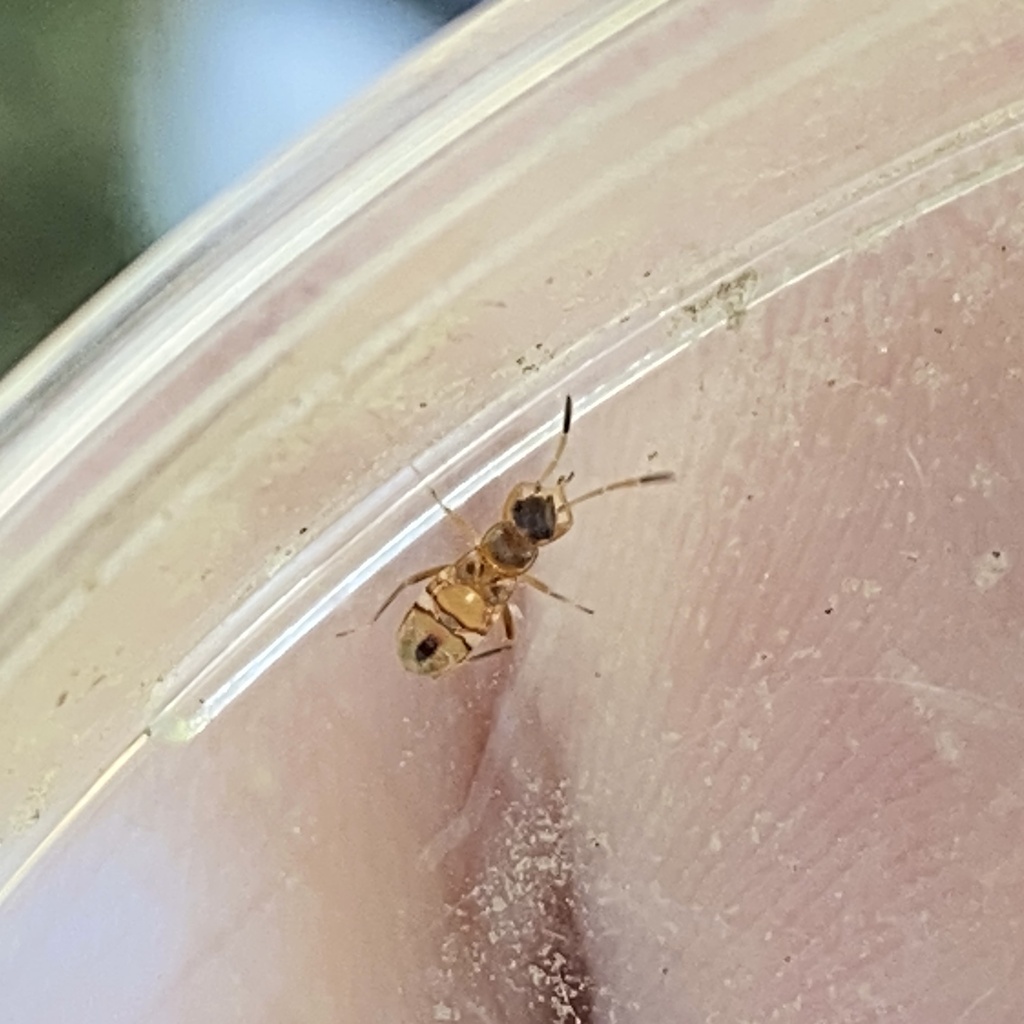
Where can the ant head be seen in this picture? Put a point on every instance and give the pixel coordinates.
(541, 514)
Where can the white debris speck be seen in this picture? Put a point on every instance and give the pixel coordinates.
(949, 747)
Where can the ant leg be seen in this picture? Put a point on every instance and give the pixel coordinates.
(462, 524)
(415, 578)
(545, 589)
(490, 650)
(633, 481)
(566, 424)
(510, 636)
(418, 577)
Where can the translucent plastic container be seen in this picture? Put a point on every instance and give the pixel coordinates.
(776, 776)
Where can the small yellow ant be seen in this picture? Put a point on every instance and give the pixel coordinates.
(462, 601)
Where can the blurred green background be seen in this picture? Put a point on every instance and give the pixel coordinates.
(120, 117)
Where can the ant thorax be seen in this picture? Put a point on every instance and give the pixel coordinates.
(507, 550)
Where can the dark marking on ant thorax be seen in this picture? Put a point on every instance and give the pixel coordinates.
(471, 568)
(508, 548)
(535, 516)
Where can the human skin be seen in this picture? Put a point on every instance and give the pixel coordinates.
(776, 776)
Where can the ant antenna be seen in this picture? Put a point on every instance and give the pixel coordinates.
(618, 485)
(633, 481)
(566, 424)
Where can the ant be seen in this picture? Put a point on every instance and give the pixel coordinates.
(461, 602)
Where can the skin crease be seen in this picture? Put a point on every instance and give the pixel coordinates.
(775, 777)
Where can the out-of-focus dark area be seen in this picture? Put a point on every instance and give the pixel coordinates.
(118, 118)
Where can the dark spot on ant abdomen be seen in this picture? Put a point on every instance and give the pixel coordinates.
(426, 648)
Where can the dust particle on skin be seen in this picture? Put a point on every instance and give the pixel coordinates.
(989, 568)
(521, 910)
(948, 747)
